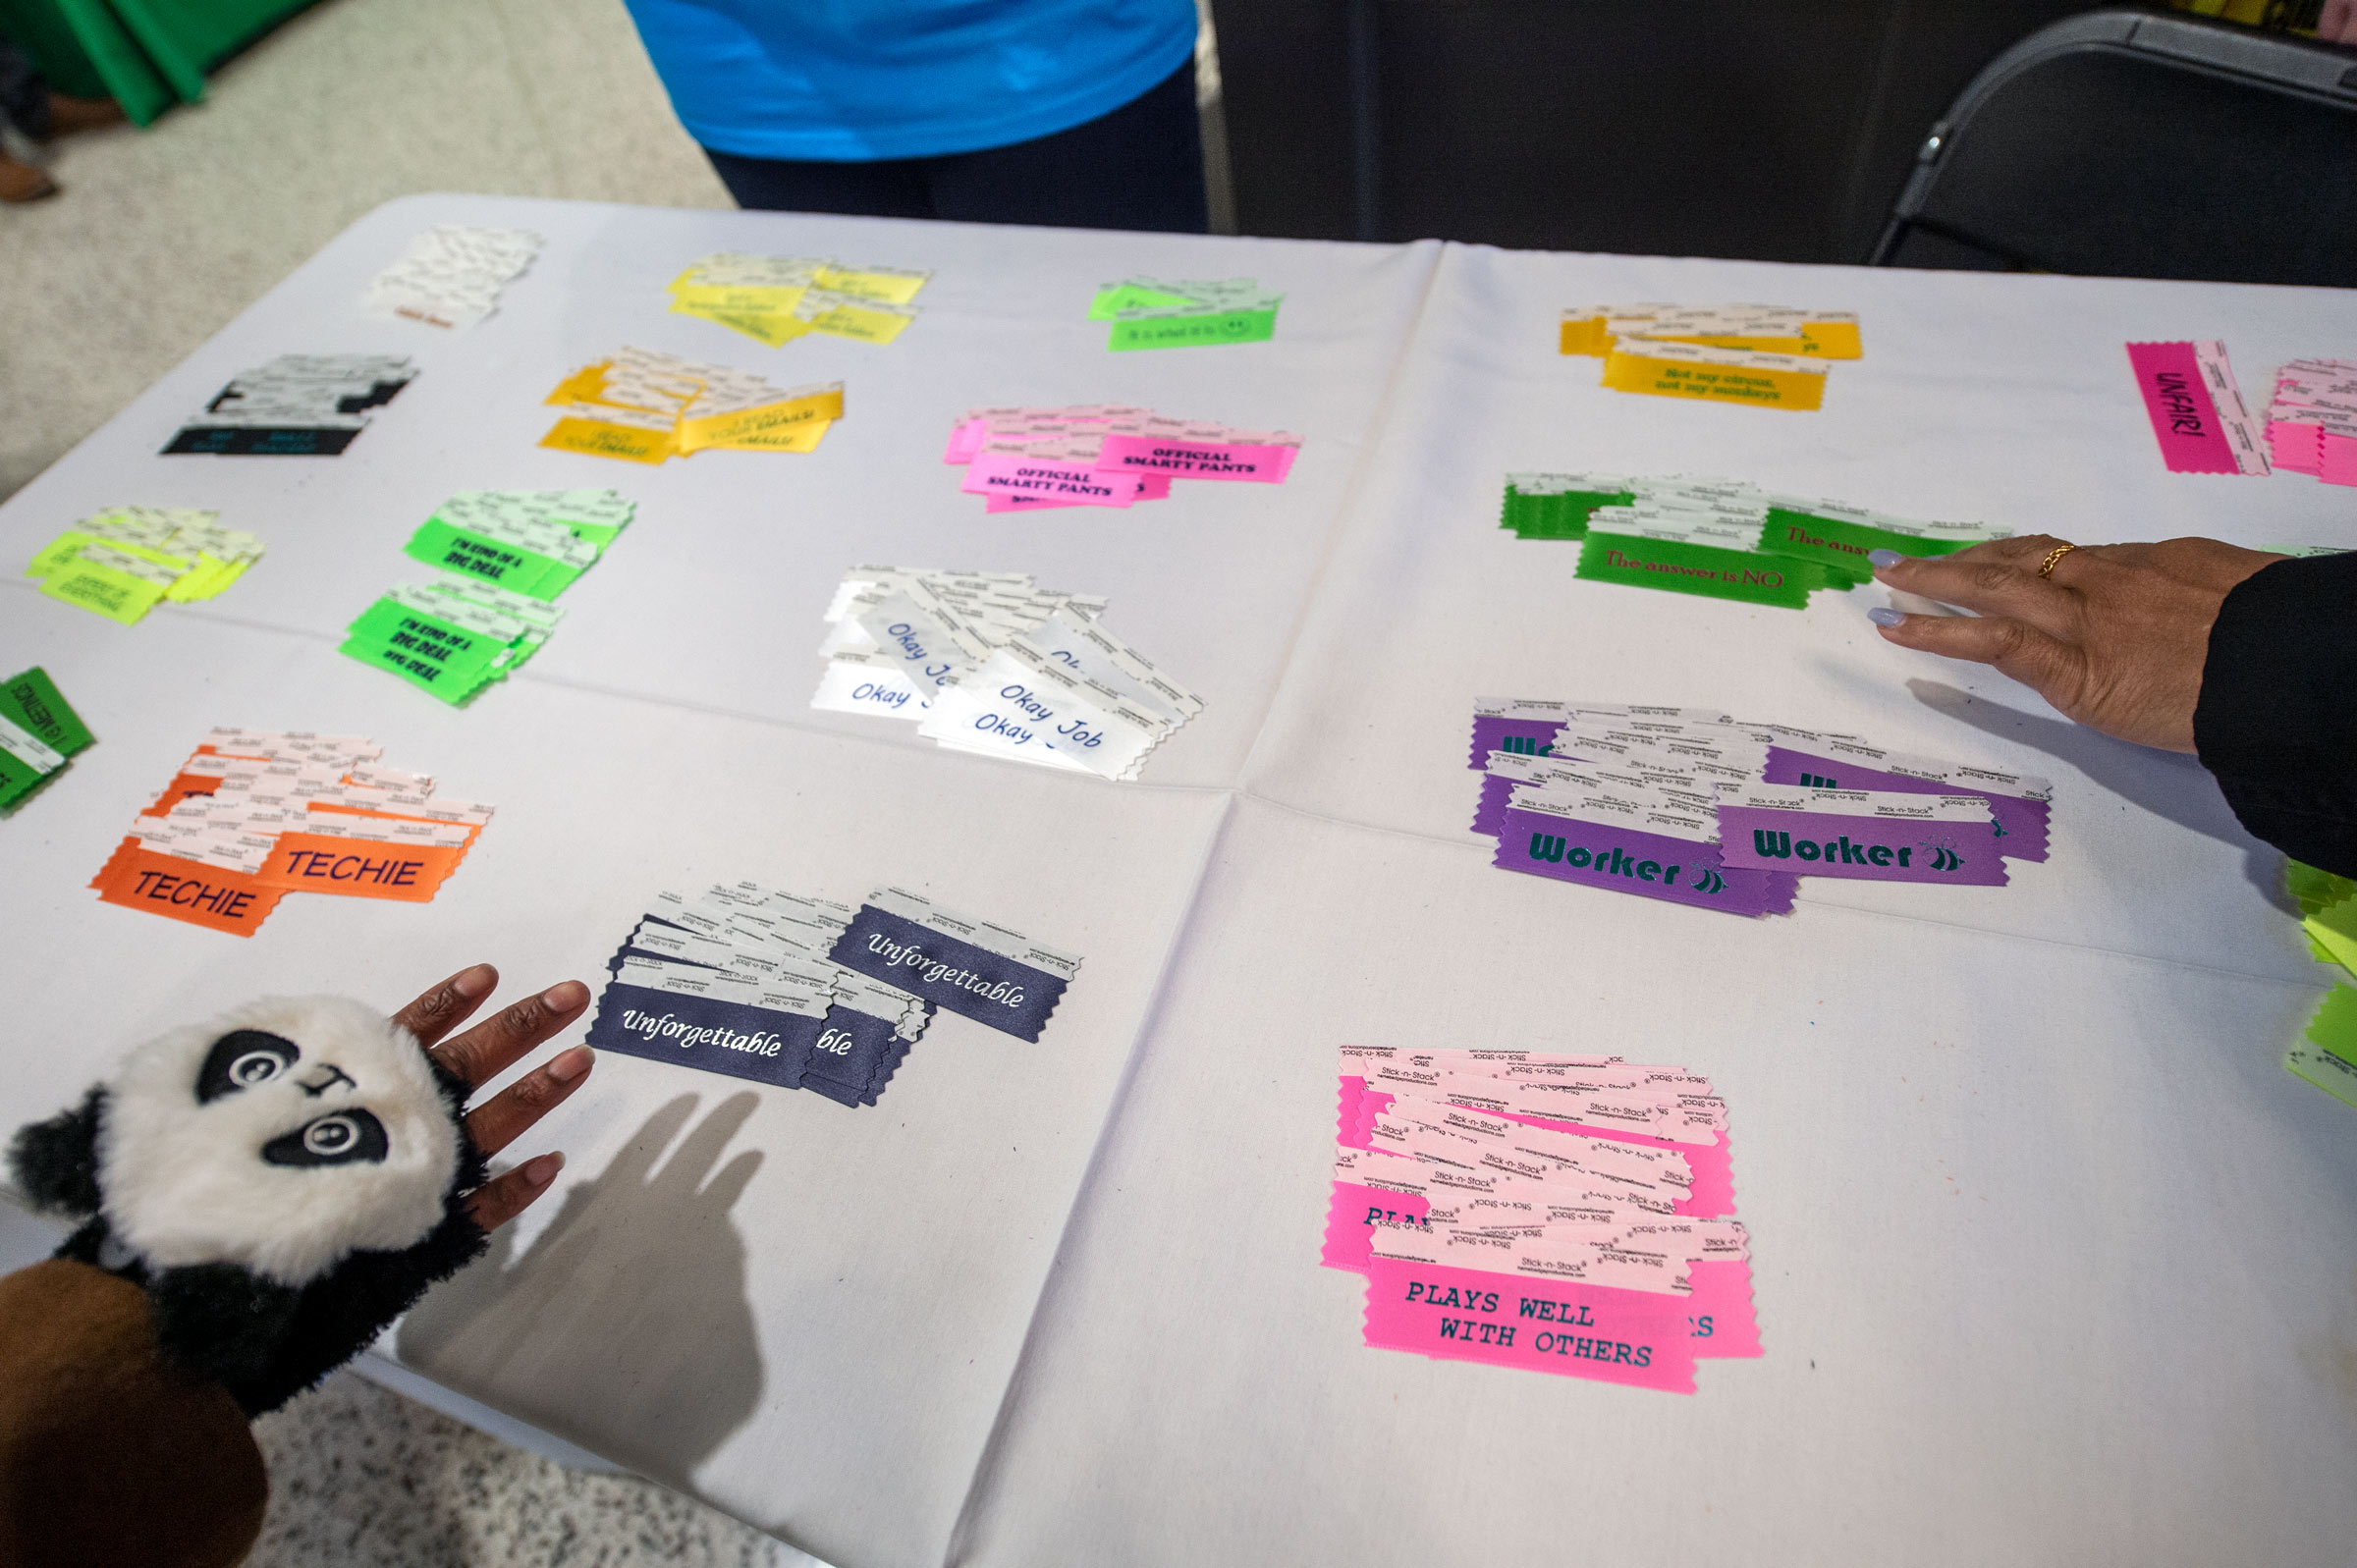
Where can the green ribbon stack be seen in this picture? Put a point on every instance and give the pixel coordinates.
(500, 556)
(2327, 1058)
(39, 732)
(1186, 313)
(1718, 539)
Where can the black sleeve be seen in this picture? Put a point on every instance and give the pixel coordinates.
(291, 1339)
(2277, 717)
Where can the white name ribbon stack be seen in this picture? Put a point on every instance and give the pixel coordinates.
(452, 276)
(992, 663)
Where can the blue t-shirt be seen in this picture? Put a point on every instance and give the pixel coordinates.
(847, 81)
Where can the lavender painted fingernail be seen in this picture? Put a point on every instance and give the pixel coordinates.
(1885, 616)
(1878, 558)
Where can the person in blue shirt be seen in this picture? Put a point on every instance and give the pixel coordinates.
(1068, 113)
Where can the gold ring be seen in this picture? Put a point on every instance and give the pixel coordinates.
(2053, 556)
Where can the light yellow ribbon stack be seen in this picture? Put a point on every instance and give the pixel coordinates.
(644, 406)
(775, 300)
(121, 562)
(1771, 356)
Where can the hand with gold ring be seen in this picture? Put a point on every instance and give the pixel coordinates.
(2113, 635)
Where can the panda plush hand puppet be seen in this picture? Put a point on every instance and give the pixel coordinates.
(282, 1183)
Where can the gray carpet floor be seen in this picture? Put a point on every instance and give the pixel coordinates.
(162, 236)
(360, 1477)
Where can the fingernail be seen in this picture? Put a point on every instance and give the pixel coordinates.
(474, 981)
(565, 995)
(1885, 616)
(542, 1169)
(1883, 558)
(570, 1065)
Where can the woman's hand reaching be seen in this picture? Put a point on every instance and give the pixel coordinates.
(488, 1049)
(2113, 637)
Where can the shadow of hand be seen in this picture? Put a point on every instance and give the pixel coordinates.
(2166, 783)
(625, 1327)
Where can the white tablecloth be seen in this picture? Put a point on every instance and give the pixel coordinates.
(2052, 1260)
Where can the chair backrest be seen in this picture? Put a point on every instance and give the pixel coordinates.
(2131, 144)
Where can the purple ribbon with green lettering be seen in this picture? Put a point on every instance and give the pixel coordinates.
(1628, 861)
(1533, 738)
(2020, 821)
(1825, 844)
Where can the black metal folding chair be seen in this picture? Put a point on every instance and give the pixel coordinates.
(2134, 144)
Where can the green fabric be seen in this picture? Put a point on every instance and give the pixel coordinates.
(129, 79)
(40, 28)
(188, 38)
(160, 28)
(145, 54)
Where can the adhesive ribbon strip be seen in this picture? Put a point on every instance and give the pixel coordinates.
(2196, 411)
(1694, 806)
(716, 1033)
(1551, 1266)
(1718, 538)
(124, 560)
(1670, 370)
(1104, 455)
(1159, 313)
(39, 734)
(1768, 329)
(1014, 992)
(644, 407)
(298, 406)
(2312, 419)
(1857, 834)
(503, 555)
(253, 814)
(775, 300)
(747, 980)
(1556, 844)
(760, 1000)
(2018, 802)
(993, 665)
(452, 276)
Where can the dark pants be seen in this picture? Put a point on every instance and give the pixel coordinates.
(24, 95)
(1140, 167)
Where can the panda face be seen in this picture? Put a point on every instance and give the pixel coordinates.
(281, 1137)
(247, 1058)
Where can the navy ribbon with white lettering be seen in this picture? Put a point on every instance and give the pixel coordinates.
(853, 1056)
(989, 988)
(725, 1036)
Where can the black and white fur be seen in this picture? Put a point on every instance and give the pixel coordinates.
(283, 1182)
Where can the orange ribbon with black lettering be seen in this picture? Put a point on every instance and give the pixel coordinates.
(358, 868)
(139, 878)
